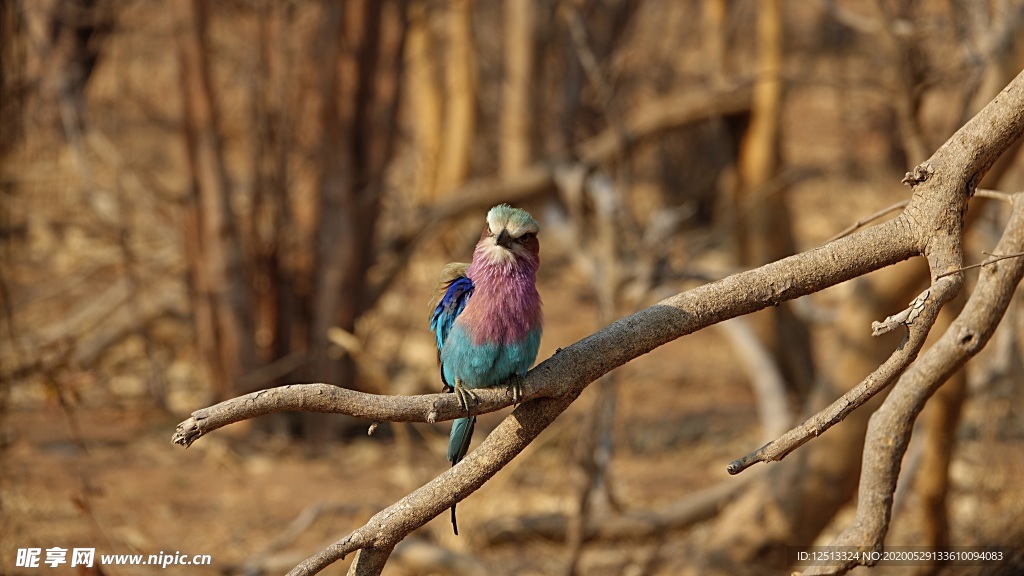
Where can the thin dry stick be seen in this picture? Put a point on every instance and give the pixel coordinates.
(994, 195)
(865, 221)
(336, 400)
(995, 258)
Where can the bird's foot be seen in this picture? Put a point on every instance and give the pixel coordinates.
(465, 396)
(515, 388)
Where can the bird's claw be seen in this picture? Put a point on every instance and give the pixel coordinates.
(515, 388)
(465, 396)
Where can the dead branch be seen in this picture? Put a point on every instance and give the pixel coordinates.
(869, 219)
(328, 398)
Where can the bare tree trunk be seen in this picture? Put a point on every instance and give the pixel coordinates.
(460, 114)
(425, 100)
(220, 292)
(515, 111)
(716, 16)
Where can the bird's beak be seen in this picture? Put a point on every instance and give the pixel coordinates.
(504, 240)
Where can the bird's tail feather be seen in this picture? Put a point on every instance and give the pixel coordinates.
(458, 446)
(458, 442)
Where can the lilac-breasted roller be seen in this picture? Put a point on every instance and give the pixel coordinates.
(487, 321)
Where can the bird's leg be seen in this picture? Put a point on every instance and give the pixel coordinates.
(465, 395)
(515, 387)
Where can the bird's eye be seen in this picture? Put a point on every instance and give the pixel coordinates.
(527, 236)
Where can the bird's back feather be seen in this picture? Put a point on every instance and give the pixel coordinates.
(453, 293)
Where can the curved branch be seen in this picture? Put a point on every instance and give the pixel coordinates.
(333, 399)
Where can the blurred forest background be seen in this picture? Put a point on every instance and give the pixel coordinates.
(204, 198)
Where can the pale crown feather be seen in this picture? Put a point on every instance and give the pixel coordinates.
(513, 220)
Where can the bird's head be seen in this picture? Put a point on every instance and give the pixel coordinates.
(510, 235)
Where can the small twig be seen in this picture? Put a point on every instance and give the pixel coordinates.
(865, 221)
(904, 318)
(995, 258)
(994, 195)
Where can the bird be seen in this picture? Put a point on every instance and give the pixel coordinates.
(486, 318)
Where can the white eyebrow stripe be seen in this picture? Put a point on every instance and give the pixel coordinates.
(496, 221)
(523, 228)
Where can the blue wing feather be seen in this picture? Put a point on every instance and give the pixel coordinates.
(452, 303)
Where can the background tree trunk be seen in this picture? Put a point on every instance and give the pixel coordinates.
(219, 282)
(516, 109)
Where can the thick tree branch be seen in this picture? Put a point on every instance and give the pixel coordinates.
(334, 399)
